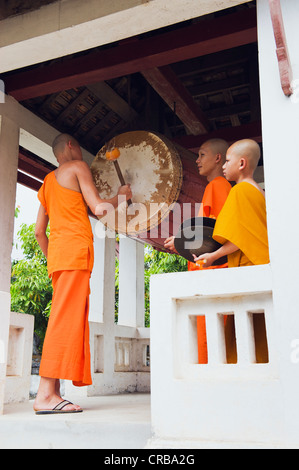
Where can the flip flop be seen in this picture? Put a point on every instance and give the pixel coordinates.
(59, 409)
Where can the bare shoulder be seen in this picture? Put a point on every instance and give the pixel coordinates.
(79, 169)
(79, 166)
(73, 174)
(72, 167)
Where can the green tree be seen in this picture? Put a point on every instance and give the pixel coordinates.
(157, 262)
(31, 289)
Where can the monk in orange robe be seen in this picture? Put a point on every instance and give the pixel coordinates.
(210, 161)
(241, 226)
(64, 197)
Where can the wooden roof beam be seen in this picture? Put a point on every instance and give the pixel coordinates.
(231, 134)
(172, 91)
(199, 39)
(28, 181)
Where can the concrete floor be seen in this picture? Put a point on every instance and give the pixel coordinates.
(108, 422)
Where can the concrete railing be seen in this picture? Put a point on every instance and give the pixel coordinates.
(19, 358)
(4, 322)
(217, 402)
(120, 359)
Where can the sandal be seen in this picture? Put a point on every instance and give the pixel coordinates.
(59, 409)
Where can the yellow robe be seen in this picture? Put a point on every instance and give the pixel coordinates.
(243, 222)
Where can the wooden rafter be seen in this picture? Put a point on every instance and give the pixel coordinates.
(33, 165)
(231, 134)
(28, 181)
(113, 101)
(172, 91)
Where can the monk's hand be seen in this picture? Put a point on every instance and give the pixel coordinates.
(169, 244)
(204, 261)
(125, 191)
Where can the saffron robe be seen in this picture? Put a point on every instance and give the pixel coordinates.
(243, 222)
(71, 239)
(66, 351)
(213, 199)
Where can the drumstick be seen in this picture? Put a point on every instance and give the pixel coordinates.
(201, 263)
(113, 155)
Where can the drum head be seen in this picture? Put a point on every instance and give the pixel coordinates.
(152, 166)
(195, 236)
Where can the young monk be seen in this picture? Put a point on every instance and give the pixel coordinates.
(210, 161)
(64, 197)
(241, 228)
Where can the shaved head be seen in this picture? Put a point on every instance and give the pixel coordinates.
(61, 141)
(218, 146)
(248, 149)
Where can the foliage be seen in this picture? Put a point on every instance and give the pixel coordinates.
(156, 262)
(31, 289)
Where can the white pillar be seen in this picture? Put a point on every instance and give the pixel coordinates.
(96, 309)
(131, 283)
(107, 299)
(280, 121)
(9, 151)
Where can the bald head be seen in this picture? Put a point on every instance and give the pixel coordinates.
(60, 143)
(248, 149)
(218, 147)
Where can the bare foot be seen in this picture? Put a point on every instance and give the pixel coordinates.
(48, 397)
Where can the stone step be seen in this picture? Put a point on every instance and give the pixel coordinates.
(108, 422)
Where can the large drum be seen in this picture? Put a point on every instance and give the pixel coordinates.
(165, 183)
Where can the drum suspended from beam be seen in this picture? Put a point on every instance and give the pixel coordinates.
(165, 183)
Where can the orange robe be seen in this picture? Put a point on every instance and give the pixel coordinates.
(243, 222)
(66, 351)
(214, 197)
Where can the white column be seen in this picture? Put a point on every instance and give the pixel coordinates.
(103, 284)
(280, 123)
(97, 277)
(131, 283)
(9, 151)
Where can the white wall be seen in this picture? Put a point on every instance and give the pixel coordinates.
(219, 404)
(280, 120)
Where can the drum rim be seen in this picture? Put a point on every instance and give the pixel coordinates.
(164, 207)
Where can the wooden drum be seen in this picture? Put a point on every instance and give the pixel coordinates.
(165, 183)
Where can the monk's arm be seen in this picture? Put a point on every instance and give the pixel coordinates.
(90, 193)
(41, 230)
(226, 249)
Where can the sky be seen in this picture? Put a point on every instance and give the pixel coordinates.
(28, 204)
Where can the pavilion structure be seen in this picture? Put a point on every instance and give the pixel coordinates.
(189, 70)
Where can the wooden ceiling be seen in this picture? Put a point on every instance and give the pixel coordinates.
(191, 81)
